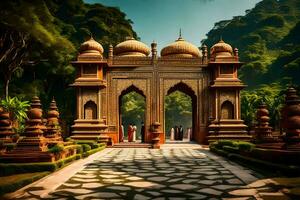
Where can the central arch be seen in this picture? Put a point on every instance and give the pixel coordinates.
(137, 93)
(186, 90)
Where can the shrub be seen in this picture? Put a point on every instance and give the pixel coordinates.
(245, 146)
(90, 152)
(10, 146)
(56, 149)
(79, 149)
(222, 143)
(86, 147)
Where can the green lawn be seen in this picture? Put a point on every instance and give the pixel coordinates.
(14, 182)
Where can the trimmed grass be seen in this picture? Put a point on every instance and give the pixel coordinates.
(14, 182)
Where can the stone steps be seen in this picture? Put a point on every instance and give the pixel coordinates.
(131, 145)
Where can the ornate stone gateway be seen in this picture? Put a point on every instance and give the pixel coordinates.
(212, 83)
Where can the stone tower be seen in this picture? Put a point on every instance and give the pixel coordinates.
(263, 132)
(225, 94)
(89, 84)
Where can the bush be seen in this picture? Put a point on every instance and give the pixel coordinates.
(245, 146)
(90, 152)
(79, 149)
(10, 146)
(56, 149)
(221, 143)
(86, 147)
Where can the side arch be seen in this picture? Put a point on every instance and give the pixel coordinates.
(90, 110)
(227, 110)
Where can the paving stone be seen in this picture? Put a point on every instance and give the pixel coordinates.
(122, 188)
(141, 197)
(85, 176)
(75, 191)
(143, 184)
(224, 187)
(84, 180)
(98, 194)
(154, 193)
(112, 180)
(157, 178)
(207, 182)
(210, 191)
(91, 185)
(234, 181)
(133, 178)
(244, 192)
(172, 191)
(108, 176)
(196, 196)
(183, 186)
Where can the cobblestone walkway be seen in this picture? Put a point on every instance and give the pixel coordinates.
(168, 173)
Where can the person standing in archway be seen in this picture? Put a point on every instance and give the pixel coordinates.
(130, 133)
(176, 133)
(142, 132)
(180, 132)
(172, 134)
(121, 133)
(134, 132)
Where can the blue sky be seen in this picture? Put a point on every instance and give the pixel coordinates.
(160, 20)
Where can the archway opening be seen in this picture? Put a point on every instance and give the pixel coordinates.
(180, 113)
(227, 110)
(90, 110)
(132, 105)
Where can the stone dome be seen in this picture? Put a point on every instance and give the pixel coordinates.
(91, 47)
(180, 49)
(221, 49)
(131, 47)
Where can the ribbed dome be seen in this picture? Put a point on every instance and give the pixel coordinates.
(180, 49)
(221, 49)
(132, 47)
(91, 47)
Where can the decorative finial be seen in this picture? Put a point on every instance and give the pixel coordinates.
(91, 36)
(180, 33)
(221, 38)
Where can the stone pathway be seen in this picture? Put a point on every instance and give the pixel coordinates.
(188, 172)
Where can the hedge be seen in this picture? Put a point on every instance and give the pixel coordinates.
(18, 168)
(13, 186)
(86, 154)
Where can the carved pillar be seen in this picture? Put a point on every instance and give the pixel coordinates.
(291, 117)
(156, 132)
(263, 132)
(204, 54)
(5, 126)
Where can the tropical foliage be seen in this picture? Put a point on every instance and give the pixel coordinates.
(54, 30)
(267, 37)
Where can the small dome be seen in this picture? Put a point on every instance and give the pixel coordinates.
(132, 47)
(221, 49)
(180, 49)
(91, 47)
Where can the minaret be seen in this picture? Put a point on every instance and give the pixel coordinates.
(154, 50)
(204, 54)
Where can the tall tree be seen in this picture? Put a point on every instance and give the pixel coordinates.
(13, 51)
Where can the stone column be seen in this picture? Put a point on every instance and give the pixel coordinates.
(263, 132)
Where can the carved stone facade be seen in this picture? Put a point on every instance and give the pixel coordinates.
(215, 92)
